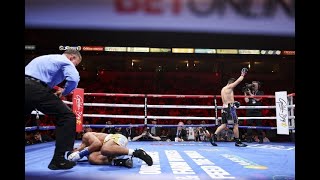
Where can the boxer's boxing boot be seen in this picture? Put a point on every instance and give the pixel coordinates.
(213, 139)
(140, 153)
(127, 162)
(239, 143)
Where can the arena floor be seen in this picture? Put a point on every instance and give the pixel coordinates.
(173, 160)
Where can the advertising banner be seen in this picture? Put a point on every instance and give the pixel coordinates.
(265, 17)
(77, 107)
(282, 112)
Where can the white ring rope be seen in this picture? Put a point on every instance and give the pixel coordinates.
(212, 107)
(114, 116)
(114, 105)
(170, 106)
(67, 102)
(174, 106)
(172, 117)
(148, 125)
(173, 95)
(165, 117)
(209, 118)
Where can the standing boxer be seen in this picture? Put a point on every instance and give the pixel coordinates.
(229, 114)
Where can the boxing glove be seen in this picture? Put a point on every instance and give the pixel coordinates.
(237, 104)
(244, 71)
(75, 156)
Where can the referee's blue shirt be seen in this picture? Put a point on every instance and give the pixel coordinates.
(53, 69)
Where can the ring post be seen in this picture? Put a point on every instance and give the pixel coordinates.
(216, 109)
(145, 110)
(77, 107)
(281, 100)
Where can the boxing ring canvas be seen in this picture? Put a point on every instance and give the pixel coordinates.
(176, 160)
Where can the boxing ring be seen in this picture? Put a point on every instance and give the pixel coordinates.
(175, 160)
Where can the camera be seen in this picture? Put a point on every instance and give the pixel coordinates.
(146, 131)
(248, 87)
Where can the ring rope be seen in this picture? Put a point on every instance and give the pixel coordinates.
(148, 125)
(174, 106)
(172, 95)
(215, 110)
(208, 118)
(114, 116)
(67, 102)
(114, 105)
(292, 94)
(166, 117)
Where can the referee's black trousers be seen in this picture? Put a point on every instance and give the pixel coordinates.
(41, 97)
